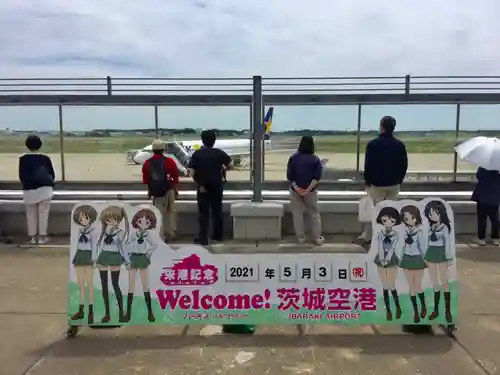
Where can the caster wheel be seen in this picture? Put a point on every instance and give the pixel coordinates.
(449, 329)
(72, 331)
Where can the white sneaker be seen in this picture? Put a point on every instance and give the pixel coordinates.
(33, 240)
(301, 240)
(43, 239)
(478, 242)
(319, 241)
(495, 242)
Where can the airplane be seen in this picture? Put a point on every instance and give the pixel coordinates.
(182, 150)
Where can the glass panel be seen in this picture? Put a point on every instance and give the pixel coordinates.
(181, 126)
(476, 120)
(17, 123)
(99, 141)
(334, 132)
(428, 132)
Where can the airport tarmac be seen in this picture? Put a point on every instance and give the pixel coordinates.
(114, 167)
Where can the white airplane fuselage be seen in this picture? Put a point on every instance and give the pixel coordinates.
(233, 147)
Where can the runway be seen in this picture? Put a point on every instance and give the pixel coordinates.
(113, 167)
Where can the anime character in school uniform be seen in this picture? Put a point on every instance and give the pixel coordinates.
(387, 262)
(143, 243)
(412, 260)
(84, 217)
(112, 255)
(439, 254)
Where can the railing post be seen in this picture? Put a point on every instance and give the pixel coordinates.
(61, 142)
(252, 171)
(457, 137)
(407, 84)
(358, 139)
(109, 85)
(157, 129)
(257, 139)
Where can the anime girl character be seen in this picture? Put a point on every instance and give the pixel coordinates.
(143, 244)
(112, 255)
(83, 261)
(439, 254)
(386, 259)
(412, 260)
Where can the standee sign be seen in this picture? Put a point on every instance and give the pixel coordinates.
(122, 273)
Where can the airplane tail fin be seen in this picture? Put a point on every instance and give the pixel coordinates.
(268, 122)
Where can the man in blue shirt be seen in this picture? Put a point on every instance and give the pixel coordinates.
(386, 164)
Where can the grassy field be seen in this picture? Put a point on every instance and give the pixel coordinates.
(433, 142)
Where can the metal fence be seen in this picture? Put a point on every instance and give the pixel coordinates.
(255, 93)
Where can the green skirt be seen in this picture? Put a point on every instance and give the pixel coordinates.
(83, 258)
(412, 262)
(436, 254)
(393, 262)
(238, 328)
(139, 261)
(110, 259)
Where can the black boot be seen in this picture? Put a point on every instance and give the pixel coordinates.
(395, 297)
(128, 314)
(423, 311)
(105, 296)
(115, 280)
(387, 302)
(79, 314)
(91, 314)
(447, 306)
(437, 298)
(416, 315)
(147, 298)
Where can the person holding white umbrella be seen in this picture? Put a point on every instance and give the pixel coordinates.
(484, 152)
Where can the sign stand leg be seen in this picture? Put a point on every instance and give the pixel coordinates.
(72, 331)
(302, 329)
(449, 329)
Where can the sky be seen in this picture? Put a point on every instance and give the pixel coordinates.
(221, 38)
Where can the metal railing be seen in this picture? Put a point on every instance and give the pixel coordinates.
(255, 93)
(340, 85)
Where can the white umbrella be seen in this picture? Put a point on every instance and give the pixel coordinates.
(482, 151)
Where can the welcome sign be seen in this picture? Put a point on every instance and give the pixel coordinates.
(122, 273)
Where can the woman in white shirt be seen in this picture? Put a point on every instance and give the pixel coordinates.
(143, 243)
(412, 260)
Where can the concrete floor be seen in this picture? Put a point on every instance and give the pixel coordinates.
(113, 167)
(33, 311)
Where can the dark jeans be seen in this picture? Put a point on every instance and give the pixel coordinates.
(210, 202)
(485, 211)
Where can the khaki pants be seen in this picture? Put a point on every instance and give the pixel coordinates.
(37, 217)
(166, 206)
(379, 194)
(307, 204)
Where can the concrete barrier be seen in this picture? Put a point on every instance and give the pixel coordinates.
(338, 217)
(257, 220)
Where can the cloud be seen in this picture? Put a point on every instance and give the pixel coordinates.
(241, 38)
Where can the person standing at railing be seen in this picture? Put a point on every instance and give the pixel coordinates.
(386, 164)
(487, 197)
(304, 171)
(37, 176)
(161, 175)
(207, 166)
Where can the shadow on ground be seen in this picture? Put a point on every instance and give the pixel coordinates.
(367, 344)
(483, 254)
